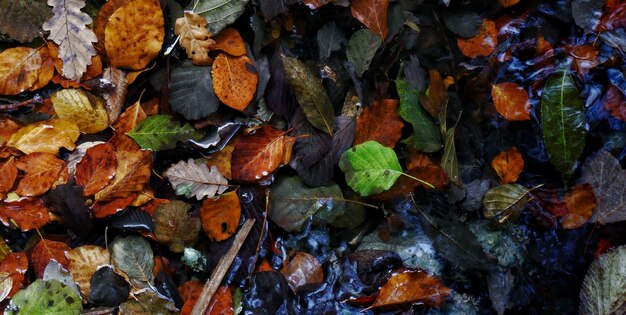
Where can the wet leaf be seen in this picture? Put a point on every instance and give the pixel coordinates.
(229, 41)
(195, 38)
(45, 251)
(409, 287)
(22, 20)
(108, 288)
(133, 256)
(508, 165)
(174, 227)
(221, 160)
(604, 287)
(129, 119)
(9, 174)
(483, 44)
(96, 169)
(615, 102)
(148, 302)
(193, 179)
(220, 216)
(585, 58)
(368, 126)
(370, 168)
(16, 265)
(373, 14)
(67, 202)
(511, 101)
(68, 29)
(607, 178)
(220, 13)
(83, 261)
(463, 23)
(57, 132)
(504, 202)
(115, 98)
(563, 121)
(221, 302)
(19, 69)
(329, 38)
(234, 80)
(191, 91)
(132, 174)
(361, 49)
(508, 3)
(301, 269)
(162, 132)
(134, 34)
(310, 94)
(260, 153)
(82, 108)
(449, 160)
(6, 283)
(580, 201)
(435, 100)
(45, 297)
(587, 13)
(41, 171)
(426, 136)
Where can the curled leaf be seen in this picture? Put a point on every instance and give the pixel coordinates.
(194, 37)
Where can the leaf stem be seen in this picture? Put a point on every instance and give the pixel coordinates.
(419, 180)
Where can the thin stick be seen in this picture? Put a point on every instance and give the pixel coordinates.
(210, 287)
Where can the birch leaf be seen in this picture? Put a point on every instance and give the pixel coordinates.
(68, 29)
(196, 179)
(604, 286)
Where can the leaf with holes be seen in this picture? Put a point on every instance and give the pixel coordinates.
(133, 256)
(194, 37)
(162, 132)
(174, 226)
(220, 216)
(370, 168)
(194, 179)
(45, 297)
(191, 91)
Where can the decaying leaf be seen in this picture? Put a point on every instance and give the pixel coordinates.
(504, 202)
(409, 287)
(302, 268)
(607, 178)
(370, 168)
(148, 302)
(193, 179)
(45, 297)
(482, 44)
(511, 101)
(82, 108)
(22, 20)
(9, 174)
(229, 41)
(234, 80)
(580, 201)
(16, 265)
(220, 216)
(162, 132)
(96, 169)
(68, 29)
(19, 69)
(115, 99)
(175, 227)
(133, 256)
(373, 14)
(508, 165)
(604, 287)
(369, 127)
(83, 261)
(361, 49)
(435, 100)
(194, 37)
(41, 171)
(449, 160)
(57, 132)
(45, 251)
(426, 135)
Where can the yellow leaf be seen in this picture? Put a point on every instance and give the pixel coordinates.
(19, 69)
(84, 109)
(195, 38)
(56, 132)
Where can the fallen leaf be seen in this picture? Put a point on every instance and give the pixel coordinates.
(370, 168)
(68, 29)
(45, 297)
(229, 41)
(604, 286)
(96, 169)
(503, 203)
(16, 265)
(133, 256)
(221, 302)
(508, 165)
(373, 14)
(361, 49)
(129, 119)
(302, 268)
(607, 178)
(580, 201)
(234, 80)
(432, 174)
(615, 102)
(221, 159)
(410, 287)
(585, 57)
(132, 174)
(134, 34)
(435, 100)
(83, 261)
(482, 44)
(449, 160)
(41, 171)
(511, 101)
(82, 108)
(162, 132)
(9, 174)
(426, 135)
(329, 38)
(46, 72)
(220, 13)
(195, 38)
(6, 284)
(220, 216)
(115, 98)
(27, 214)
(104, 14)
(193, 179)
(103, 209)
(508, 3)
(369, 127)
(316, 4)
(45, 251)
(191, 91)
(19, 69)
(175, 227)
(108, 288)
(7, 128)
(260, 153)
(22, 20)
(57, 132)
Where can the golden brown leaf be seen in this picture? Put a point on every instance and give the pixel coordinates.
(9, 174)
(134, 34)
(234, 80)
(103, 209)
(82, 108)
(221, 160)
(26, 213)
(131, 175)
(57, 132)
(104, 14)
(580, 201)
(220, 216)
(229, 41)
(483, 43)
(47, 68)
(369, 126)
(508, 164)
(195, 38)
(7, 128)
(373, 14)
(44, 252)
(302, 268)
(435, 101)
(511, 101)
(406, 288)
(42, 170)
(96, 169)
(19, 69)
(16, 265)
(83, 262)
(129, 119)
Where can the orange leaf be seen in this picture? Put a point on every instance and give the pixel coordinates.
(435, 100)
(16, 265)
(27, 213)
(9, 173)
(96, 168)
(229, 41)
(19, 69)
(221, 302)
(47, 68)
(259, 153)
(221, 160)
(107, 208)
(104, 14)
(483, 43)
(409, 287)
(129, 119)
(585, 58)
(508, 164)
(508, 3)
(7, 128)
(373, 14)
(42, 170)
(369, 126)
(234, 80)
(511, 101)
(302, 268)
(45, 251)
(134, 34)
(132, 174)
(220, 216)
(615, 102)
(580, 202)
(190, 290)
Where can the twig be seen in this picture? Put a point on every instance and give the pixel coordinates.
(36, 100)
(210, 287)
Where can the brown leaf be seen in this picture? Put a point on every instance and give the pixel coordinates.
(104, 14)
(229, 41)
(302, 268)
(234, 80)
(195, 38)
(508, 3)
(369, 126)
(16, 265)
(57, 132)
(511, 101)
(45, 251)
(373, 14)
(7, 128)
(9, 174)
(132, 174)
(409, 287)
(26, 213)
(115, 99)
(220, 216)
(608, 180)
(174, 227)
(134, 34)
(483, 44)
(508, 164)
(19, 69)
(42, 170)
(435, 101)
(585, 57)
(129, 119)
(103, 209)
(580, 201)
(615, 102)
(259, 153)
(221, 160)
(47, 67)
(83, 261)
(96, 169)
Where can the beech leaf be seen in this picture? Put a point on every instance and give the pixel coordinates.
(41, 171)
(504, 202)
(373, 14)
(508, 165)
(174, 227)
(608, 180)
(368, 126)
(483, 44)
(229, 41)
(193, 179)
(133, 256)
(115, 98)
(426, 136)
(191, 91)
(409, 287)
(604, 287)
(162, 132)
(234, 80)
(108, 288)
(361, 49)
(96, 169)
(83, 261)
(45, 297)
(511, 101)
(302, 269)
(46, 251)
(220, 13)
(84, 109)
(19, 69)
(27, 213)
(57, 132)
(220, 216)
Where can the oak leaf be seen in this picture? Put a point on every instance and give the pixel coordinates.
(409, 287)
(483, 44)
(369, 126)
(68, 29)
(229, 41)
(57, 132)
(82, 108)
(508, 165)
(580, 201)
(234, 80)
(96, 169)
(373, 14)
(42, 171)
(195, 37)
(45, 251)
(27, 213)
(16, 265)
(194, 179)
(220, 216)
(511, 101)
(19, 69)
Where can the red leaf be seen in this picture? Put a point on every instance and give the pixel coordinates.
(580, 201)
(96, 168)
(369, 126)
(45, 251)
(409, 287)
(16, 265)
(27, 213)
(373, 14)
(42, 170)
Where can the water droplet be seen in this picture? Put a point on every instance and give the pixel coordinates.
(265, 173)
(246, 197)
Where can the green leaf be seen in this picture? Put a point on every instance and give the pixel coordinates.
(563, 121)
(504, 202)
(604, 286)
(148, 303)
(292, 203)
(426, 136)
(45, 297)
(310, 94)
(133, 256)
(370, 168)
(191, 91)
(22, 20)
(449, 161)
(361, 49)
(219, 13)
(162, 132)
